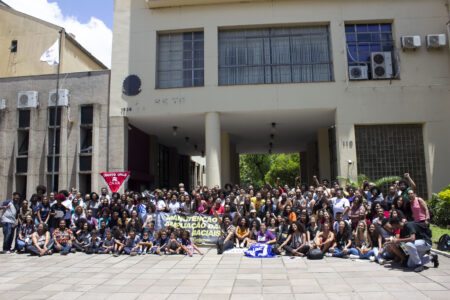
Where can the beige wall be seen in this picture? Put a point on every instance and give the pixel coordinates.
(34, 37)
(420, 96)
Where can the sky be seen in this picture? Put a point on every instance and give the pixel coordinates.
(90, 21)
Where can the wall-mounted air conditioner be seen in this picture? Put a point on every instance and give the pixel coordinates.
(27, 99)
(436, 40)
(2, 104)
(358, 72)
(411, 41)
(63, 99)
(381, 65)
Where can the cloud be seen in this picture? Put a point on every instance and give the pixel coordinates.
(94, 35)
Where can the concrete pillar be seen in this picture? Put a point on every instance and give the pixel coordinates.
(324, 153)
(346, 151)
(225, 161)
(213, 148)
(118, 145)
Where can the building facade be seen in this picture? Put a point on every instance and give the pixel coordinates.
(337, 81)
(342, 82)
(27, 130)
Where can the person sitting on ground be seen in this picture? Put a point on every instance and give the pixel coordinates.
(25, 231)
(82, 237)
(131, 246)
(95, 243)
(225, 241)
(108, 243)
(415, 240)
(242, 233)
(324, 239)
(146, 243)
(343, 244)
(295, 244)
(63, 238)
(187, 245)
(41, 242)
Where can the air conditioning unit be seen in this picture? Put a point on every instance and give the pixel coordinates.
(411, 41)
(358, 72)
(381, 65)
(27, 99)
(63, 99)
(436, 40)
(2, 104)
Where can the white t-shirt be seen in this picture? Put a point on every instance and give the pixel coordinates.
(339, 205)
(174, 207)
(161, 205)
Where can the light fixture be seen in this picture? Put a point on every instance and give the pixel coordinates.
(175, 129)
(274, 127)
(187, 140)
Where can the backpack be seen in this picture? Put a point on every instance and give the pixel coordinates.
(315, 254)
(444, 243)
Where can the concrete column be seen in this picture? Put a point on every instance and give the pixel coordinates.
(213, 148)
(118, 145)
(346, 151)
(324, 153)
(225, 161)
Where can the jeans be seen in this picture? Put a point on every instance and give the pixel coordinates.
(20, 244)
(340, 252)
(8, 236)
(64, 248)
(416, 251)
(34, 250)
(223, 246)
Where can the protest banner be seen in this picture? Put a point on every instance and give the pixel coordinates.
(204, 229)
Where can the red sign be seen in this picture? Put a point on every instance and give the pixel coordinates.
(115, 179)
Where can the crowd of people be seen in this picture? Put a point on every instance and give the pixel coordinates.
(324, 219)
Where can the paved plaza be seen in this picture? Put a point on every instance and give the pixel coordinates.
(229, 276)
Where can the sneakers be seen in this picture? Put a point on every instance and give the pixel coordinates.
(419, 268)
(353, 256)
(372, 258)
(435, 260)
(133, 253)
(328, 254)
(381, 261)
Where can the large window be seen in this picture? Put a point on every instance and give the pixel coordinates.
(274, 55)
(364, 39)
(54, 136)
(180, 60)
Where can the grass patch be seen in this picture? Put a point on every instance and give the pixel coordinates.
(437, 233)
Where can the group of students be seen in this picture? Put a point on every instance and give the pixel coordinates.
(333, 220)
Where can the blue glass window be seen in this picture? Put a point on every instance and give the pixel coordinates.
(362, 39)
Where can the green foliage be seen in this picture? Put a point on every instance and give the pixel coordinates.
(439, 206)
(253, 168)
(283, 166)
(257, 169)
(363, 178)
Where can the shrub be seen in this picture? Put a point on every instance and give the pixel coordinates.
(440, 207)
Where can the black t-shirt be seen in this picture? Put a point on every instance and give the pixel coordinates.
(421, 231)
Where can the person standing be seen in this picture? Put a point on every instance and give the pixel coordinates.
(9, 220)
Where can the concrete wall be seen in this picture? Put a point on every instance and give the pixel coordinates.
(84, 89)
(34, 37)
(420, 96)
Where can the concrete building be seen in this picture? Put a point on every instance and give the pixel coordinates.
(27, 132)
(330, 79)
(24, 39)
(27, 108)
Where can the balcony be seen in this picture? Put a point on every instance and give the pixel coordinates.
(172, 3)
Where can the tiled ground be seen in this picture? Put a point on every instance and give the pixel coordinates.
(231, 276)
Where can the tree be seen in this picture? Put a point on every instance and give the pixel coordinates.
(284, 166)
(253, 168)
(257, 169)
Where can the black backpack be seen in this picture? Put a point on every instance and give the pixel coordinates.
(315, 254)
(444, 243)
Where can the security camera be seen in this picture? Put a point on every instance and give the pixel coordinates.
(350, 162)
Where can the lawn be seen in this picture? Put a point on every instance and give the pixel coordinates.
(437, 233)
